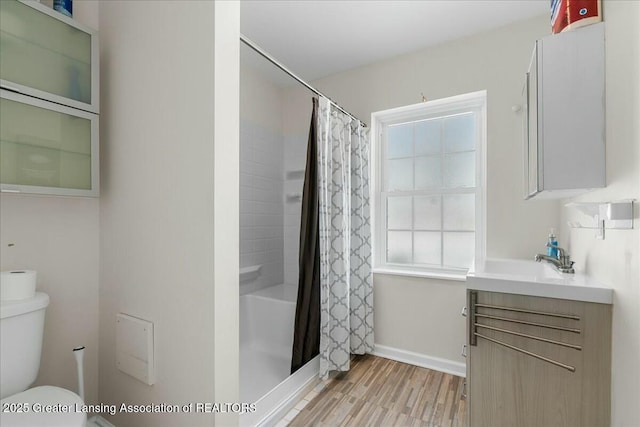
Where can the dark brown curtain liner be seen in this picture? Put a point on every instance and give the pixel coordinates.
(306, 335)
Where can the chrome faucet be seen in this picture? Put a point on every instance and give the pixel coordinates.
(563, 262)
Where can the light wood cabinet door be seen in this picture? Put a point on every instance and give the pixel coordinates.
(538, 362)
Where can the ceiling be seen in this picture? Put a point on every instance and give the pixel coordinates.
(317, 38)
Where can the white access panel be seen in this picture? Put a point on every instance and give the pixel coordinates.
(134, 348)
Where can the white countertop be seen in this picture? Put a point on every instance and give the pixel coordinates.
(540, 279)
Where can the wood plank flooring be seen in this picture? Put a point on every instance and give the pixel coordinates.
(383, 392)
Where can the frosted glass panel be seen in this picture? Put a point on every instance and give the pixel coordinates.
(460, 170)
(41, 52)
(400, 141)
(458, 249)
(399, 247)
(459, 211)
(426, 213)
(75, 170)
(56, 152)
(427, 137)
(399, 213)
(460, 133)
(428, 173)
(426, 248)
(400, 175)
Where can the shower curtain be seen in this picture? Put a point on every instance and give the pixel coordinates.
(306, 333)
(346, 283)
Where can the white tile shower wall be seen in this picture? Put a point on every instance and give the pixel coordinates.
(295, 151)
(261, 204)
(296, 116)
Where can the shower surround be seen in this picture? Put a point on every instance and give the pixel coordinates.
(261, 205)
(273, 142)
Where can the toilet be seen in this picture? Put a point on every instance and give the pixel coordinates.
(21, 331)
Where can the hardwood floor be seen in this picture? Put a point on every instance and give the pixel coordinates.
(383, 392)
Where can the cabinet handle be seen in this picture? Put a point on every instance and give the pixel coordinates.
(522, 322)
(528, 353)
(463, 313)
(464, 351)
(520, 310)
(533, 337)
(471, 323)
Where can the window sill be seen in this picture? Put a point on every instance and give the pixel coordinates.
(456, 277)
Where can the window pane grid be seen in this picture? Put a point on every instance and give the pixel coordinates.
(424, 161)
(412, 245)
(465, 190)
(437, 230)
(432, 155)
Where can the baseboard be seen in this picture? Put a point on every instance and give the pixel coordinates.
(437, 364)
(100, 422)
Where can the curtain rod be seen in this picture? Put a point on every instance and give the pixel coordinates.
(275, 62)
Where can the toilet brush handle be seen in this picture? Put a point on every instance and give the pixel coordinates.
(78, 353)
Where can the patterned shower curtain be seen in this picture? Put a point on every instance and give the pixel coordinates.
(346, 283)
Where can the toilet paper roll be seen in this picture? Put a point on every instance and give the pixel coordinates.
(17, 284)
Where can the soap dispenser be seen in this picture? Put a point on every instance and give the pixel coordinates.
(552, 244)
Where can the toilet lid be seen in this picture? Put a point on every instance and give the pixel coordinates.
(44, 406)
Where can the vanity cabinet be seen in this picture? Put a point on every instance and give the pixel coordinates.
(49, 102)
(535, 361)
(564, 115)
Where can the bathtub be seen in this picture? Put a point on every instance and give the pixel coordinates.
(267, 319)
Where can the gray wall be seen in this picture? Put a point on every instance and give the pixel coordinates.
(58, 237)
(169, 205)
(423, 315)
(615, 261)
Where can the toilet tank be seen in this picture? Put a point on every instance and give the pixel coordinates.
(21, 330)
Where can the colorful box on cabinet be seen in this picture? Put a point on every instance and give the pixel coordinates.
(567, 15)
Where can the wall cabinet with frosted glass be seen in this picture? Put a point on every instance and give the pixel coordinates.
(49, 74)
(564, 120)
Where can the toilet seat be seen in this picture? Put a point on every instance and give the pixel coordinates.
(47, 406)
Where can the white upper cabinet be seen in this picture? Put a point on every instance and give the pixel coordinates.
(49, 98)
(47, 148)
(564, 116)
(48, 55)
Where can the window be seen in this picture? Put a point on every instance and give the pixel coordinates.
(429, 181)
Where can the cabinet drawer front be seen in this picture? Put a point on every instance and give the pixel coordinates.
(47, 148)
(549, 330)
(47, 55)
(510, 385)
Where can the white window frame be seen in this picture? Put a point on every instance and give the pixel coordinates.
(476, 102)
